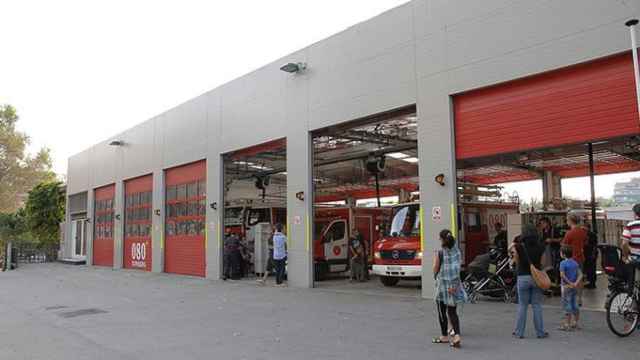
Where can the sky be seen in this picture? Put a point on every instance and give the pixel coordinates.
(81, 71)
(575, 188)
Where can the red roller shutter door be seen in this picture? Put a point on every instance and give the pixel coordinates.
(103, 226)
(185, 219)
(137, 223)
(586, 102)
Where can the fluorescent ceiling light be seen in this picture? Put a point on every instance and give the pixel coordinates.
(398, 155)
(411, 159)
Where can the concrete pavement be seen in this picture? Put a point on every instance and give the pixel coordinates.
(54, 311)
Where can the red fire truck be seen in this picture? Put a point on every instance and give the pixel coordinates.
(332, 229)
(398, 255)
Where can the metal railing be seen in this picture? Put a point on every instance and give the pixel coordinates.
(27, 253)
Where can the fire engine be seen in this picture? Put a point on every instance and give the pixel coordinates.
(398, 255)
(333, 227)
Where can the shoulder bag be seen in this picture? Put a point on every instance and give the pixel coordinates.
(539, 277)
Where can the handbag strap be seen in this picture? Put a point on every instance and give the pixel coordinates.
(526, 253)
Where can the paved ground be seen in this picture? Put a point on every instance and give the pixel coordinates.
(45, 313)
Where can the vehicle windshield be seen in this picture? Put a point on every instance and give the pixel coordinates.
(406, 221)
(233, 216)
(259, 216)
(318, 228)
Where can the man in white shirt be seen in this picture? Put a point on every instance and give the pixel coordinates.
(279, 254)
(631, 241)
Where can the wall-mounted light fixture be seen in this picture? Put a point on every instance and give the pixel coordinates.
(116, 143)
(89, 220)
(157, 212)
(300, 195)
(294, 68)
(117, 216)
(439, 179)
(214, 205)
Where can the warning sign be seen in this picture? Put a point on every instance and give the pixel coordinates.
(436, 213)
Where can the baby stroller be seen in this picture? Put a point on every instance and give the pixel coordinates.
(491, 275)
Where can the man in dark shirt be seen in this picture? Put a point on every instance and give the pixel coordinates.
(552, 240)
(590, 257)
(357, 256)
(500, 240)
(231, 255)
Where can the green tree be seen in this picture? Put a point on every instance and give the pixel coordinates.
(605, 202)
(45, 211)
(19, 171)
(13, 227)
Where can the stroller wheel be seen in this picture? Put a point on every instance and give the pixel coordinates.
(472, 296)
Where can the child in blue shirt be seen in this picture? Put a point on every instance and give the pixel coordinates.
(571, 278)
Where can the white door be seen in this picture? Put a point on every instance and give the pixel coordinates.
(336, 245)
(79, 238)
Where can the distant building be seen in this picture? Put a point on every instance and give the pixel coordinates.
(627, 192)
(624, 213)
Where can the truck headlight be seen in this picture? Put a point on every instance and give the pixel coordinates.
(376, 255)
(418, 255)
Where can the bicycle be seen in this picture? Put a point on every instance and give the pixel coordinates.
(623, 302)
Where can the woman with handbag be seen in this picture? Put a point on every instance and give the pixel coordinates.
(449, 289)
(531, 281)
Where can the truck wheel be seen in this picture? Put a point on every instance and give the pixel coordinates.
(389, 280)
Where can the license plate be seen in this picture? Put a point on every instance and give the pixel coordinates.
(394, 268)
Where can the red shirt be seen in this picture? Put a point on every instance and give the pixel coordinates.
(576, 238)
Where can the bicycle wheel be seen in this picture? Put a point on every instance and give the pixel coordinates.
(622, 313)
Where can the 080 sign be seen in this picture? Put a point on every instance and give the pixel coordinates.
(139, 255)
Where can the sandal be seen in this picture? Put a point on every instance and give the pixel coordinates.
(438, 340)
(455, 344)
(565, 327)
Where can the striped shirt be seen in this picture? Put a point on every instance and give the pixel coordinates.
(631, 233)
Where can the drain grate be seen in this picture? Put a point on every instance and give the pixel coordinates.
(81, 312)
(55, 307)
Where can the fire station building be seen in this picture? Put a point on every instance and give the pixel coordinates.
(475, 93)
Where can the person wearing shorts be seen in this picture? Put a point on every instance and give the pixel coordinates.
(571, 278)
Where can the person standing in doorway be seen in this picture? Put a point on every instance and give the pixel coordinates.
(500, 240)
(528, 251)
(449, 290)
(357, 256)
(590, 257)
(576, 238)
(279, 254)
(365, 255)
(230, 259)
(551, 240)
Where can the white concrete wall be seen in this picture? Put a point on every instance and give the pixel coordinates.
(419, 53)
